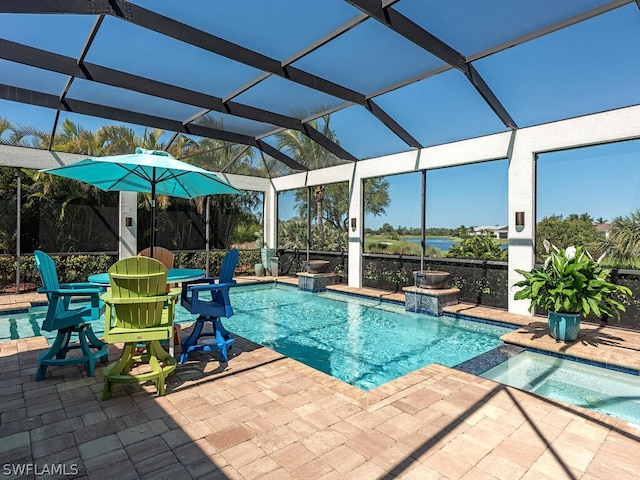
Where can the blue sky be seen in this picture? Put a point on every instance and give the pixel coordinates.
(602, 180)
(590, 67)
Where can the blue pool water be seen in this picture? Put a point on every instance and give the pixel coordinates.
(607, 391)
(27, 324)
(360, 341)
(21, 324)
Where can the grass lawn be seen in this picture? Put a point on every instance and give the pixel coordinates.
(384, 244)
(402, 245)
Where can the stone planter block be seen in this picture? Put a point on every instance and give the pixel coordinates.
(315, 282)
(429, 301)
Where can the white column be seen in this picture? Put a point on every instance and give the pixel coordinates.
(270, 233)
(522, 198)
(128, 213)
(356, 212)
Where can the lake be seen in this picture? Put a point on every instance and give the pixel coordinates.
(441, 243)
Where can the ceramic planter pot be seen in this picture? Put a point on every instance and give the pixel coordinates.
(564, 326)
(267, 254)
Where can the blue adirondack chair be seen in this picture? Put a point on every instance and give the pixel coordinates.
(69, 319)
(209, 297)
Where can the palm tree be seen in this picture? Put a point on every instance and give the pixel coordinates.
(5, 126)
(624, 240)
(309, 153)
(182, 146)
(227, 212)
(25, 136)
(75, 139)
(117, 139)
(121, 139)
(292, 234)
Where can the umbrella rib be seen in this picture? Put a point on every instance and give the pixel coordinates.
(134, 171)
(176, 177)
(167, 175)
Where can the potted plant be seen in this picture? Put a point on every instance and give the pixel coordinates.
(570, 284)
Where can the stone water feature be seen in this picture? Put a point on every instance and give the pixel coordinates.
(430, 295)
(313, 279)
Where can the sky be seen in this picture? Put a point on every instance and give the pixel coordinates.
(602, 180)
(592, 66)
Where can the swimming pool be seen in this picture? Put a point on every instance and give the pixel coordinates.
(360, 341)
(606, 391)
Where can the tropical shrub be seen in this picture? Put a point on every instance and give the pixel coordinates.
(478, 247)
(570, 281)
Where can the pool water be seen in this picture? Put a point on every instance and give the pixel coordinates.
(18, 325)
(22, 324)
(606, 391)
(360, 341)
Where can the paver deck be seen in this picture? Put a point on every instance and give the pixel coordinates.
(266, 416)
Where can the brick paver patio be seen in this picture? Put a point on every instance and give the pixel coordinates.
(266, 416)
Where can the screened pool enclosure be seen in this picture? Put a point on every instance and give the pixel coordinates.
(295, 94)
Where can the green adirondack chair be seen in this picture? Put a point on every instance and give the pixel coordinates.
(72, 321)
(140, 311)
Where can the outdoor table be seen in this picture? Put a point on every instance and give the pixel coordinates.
(174, 275)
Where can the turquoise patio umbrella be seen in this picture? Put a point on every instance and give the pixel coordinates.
(146, 171)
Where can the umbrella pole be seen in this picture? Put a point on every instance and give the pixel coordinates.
(208, 225)
(153, 214)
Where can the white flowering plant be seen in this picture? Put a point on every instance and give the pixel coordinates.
(571, 281)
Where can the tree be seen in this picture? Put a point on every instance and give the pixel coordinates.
(73, 215)
(67, 218)
(571, 231)
(292, 234)
(623, 244)
(335, 211)
(479, 247)
(309, 153)
(329, 202)
(462, 231)
(75, 139)
(386, 230)
(233, 217)
(17, 135)
(8, 202)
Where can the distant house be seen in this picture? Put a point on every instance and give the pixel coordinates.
(496, 231)
(604, 228)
